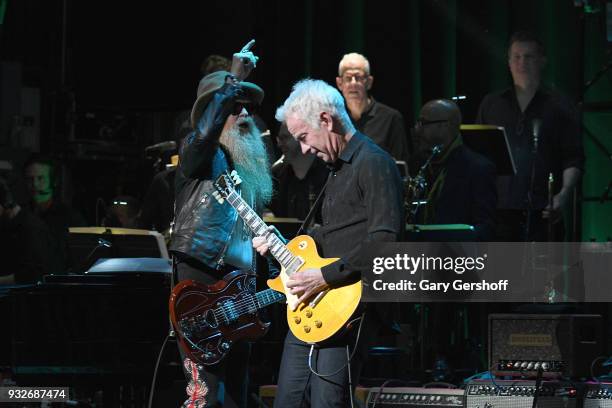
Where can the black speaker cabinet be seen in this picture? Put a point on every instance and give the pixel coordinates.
(520, 394)
(559, 345)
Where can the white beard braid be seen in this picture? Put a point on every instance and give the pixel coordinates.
(250, 158)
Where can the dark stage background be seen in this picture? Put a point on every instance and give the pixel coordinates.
(94, 82)
(103, 79)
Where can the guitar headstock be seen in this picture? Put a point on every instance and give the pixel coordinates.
(225, 185)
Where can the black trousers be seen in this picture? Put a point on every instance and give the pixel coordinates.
(328, 385)
(227, 382)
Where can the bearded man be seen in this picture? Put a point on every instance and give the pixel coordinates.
(209, 239)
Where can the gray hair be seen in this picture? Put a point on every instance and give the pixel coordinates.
(353, 55)
(309, 98)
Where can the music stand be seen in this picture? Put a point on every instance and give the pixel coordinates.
(492, 142)
(88, 244)
(440, 233)
(131, 265)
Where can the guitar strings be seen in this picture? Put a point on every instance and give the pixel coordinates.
(243, 305)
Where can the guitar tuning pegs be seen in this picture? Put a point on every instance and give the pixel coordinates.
(218, 197)
(235, 177)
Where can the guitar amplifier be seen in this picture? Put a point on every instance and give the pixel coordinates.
(410, 397)
(520, 394)
(598, 395)
(559, 345)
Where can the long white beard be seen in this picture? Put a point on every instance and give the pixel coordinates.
(250, 158)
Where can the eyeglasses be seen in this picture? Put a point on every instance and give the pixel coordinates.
(251, 108)
(424, 122)
(358, 78)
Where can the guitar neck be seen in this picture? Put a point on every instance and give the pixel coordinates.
(268, 297)
(277, 248)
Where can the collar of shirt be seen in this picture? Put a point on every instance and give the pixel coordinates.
(370, 110)
(510, 93)
(346, 155)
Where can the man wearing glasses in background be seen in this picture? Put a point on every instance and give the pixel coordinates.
(381, 123)
(460, 190)
(461, 182)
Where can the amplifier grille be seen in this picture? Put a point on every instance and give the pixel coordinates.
(598, 396)
(404, 397)
(519, 394)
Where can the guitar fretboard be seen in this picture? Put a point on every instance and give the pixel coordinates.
(268, 297)
(230, 310)
(277, 248)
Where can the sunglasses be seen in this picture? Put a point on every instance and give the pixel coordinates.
(251, 108)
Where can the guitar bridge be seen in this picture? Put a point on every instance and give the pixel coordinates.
(191, 326)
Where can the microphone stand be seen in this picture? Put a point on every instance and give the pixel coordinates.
(552, 293)
(534, 156)
(551, 181)
(417, 186)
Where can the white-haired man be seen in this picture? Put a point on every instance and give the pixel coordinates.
(383, 124)
(362, 204)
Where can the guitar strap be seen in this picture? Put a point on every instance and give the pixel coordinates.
(314, 209)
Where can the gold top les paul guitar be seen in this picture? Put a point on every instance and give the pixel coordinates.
(324, 314)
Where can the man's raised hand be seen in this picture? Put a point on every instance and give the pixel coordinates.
(244, 61)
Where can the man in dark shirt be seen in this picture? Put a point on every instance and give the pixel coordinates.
(462, 183)
(383, 124)
(461, 190)
(362, 204)
(42, 181)
(25, 238)
(544, 137)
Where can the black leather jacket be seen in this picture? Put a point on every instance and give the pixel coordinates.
(202, 227)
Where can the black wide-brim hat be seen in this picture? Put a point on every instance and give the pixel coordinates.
(211, 83)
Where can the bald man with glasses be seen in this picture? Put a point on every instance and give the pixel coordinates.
(381, 123)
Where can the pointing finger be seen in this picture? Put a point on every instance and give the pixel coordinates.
(248, 46)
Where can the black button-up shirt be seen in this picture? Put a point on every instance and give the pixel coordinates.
(559, 145)
(363, 203)
(385, 126)
(295, 197)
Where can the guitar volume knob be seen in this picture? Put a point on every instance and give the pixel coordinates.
(307, 329)
(318, 324)
(309, 314)
(297, 319)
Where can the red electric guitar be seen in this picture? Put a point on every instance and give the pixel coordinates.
(208, 319)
